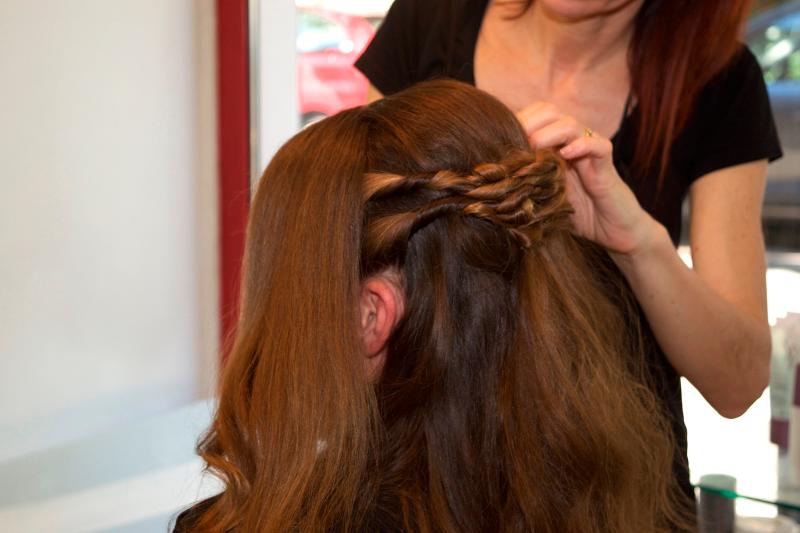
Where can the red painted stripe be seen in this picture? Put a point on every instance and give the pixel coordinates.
(233, 114)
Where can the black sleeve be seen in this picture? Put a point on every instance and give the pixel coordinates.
(185, 521)
(392, 59)
(734, 119)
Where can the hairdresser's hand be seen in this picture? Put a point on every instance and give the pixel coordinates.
(606, 210)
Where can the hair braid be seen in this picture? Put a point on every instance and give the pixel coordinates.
(523, 194)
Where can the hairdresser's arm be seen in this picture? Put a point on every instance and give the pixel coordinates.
(711, 320)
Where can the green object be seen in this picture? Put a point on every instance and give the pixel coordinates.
(787, 500)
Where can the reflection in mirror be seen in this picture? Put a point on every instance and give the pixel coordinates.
(331, 35)
(774, 38)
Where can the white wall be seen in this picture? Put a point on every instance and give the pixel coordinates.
(133, 478)
(107, 213)
(274, 81)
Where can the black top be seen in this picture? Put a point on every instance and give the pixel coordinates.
(732, 124)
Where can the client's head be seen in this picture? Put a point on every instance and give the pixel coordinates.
(423, 345)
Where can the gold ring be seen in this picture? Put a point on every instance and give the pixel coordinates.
(587, 132)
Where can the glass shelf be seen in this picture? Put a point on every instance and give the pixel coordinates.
(783, 499)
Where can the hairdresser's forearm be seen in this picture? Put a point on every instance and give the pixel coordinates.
(720, 348)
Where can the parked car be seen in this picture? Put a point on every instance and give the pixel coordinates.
(328, 43)
(774, 37)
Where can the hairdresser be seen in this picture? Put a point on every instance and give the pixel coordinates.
(650, 101)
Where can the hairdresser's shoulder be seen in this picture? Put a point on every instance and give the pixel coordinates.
(186, 521)
(418, 40)
(742, 68)
(423, 17)
(426, 19)
(422, 7)
(732, 122)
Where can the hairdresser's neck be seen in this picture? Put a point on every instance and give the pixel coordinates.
(569, 46)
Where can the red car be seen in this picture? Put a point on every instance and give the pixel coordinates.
(328, 43)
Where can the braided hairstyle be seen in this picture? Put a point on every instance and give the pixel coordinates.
(513, 396)
(519, 194)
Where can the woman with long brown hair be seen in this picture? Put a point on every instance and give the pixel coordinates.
(666, 89)
(425, 345)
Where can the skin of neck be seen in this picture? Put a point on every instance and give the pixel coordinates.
(583, 42)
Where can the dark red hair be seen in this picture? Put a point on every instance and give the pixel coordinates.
(678, 46)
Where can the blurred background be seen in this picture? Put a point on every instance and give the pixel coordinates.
(131, 132)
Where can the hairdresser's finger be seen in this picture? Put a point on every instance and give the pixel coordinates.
(594, 146)
(598, 177)
(576, 192)
(538, 115)
(558, 133)
(582, 204)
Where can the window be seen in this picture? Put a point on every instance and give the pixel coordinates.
(774, 37)
(777, 48)
(316, 33)
(330, 38)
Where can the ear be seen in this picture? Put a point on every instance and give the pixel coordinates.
(381, 306)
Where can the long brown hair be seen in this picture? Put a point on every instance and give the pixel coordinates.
(513, 397)
(677, 47)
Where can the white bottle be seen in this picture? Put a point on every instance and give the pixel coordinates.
(791, 343)
(780, 388)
